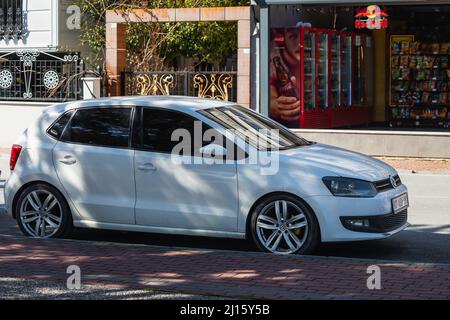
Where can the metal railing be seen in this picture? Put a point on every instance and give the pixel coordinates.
(220, 85)
(34, 75)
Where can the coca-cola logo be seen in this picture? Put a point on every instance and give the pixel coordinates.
(279, 40)
(371, 17)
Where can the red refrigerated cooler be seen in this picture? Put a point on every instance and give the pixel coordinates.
(327, 69)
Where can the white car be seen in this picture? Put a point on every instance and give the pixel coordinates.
(109, 164)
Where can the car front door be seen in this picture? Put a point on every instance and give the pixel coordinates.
(190, 195)
(95, 164)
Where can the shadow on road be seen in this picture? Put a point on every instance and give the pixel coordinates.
(407, 246)
(418, 244)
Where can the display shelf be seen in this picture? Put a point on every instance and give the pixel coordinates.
(419, 82)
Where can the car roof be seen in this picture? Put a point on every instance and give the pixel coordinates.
(181, 103)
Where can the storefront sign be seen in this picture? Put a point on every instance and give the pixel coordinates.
(372, 17)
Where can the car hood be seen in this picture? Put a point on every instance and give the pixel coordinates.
(336, 161)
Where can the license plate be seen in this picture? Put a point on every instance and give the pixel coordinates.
(400, 203)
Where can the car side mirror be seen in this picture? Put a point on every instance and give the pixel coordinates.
(213, 150)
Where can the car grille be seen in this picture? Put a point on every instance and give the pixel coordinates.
(386, 185)
(377, 224)
(389, 222)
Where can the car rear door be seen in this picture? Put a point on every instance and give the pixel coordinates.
(95, 164)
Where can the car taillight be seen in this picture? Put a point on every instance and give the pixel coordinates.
(15, 153)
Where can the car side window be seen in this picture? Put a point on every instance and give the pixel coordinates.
(57, 129)
(107, 127)
(159, 125)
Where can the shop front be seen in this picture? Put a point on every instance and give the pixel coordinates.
(355, 64)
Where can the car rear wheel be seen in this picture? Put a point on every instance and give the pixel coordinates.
(283, 224)
(42, 212)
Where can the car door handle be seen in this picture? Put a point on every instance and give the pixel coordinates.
(69, 160)
(146, 167)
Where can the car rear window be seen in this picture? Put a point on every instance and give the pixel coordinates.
(107, 127)
(57, 129)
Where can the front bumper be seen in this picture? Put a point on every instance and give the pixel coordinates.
(330, 211)
(376, 224)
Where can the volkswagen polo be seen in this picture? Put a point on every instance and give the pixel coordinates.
(110, 164)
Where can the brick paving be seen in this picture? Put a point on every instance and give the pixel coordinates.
(220, 273)
(223, 273)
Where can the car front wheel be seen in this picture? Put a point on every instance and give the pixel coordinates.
(42, 212)
(283, 224)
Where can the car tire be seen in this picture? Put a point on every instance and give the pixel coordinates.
(42, 212)
(297, 220)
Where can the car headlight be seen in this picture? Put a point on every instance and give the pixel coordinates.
(348, 187)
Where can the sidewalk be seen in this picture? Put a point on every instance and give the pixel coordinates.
(220, 273)
(419, 165)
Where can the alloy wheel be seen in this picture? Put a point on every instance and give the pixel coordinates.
(41, 214)
(282, 227)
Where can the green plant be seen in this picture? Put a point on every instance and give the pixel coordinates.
(157, 45)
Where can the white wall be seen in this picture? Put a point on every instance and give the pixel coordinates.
(45, 23)
(415, 144)
(15, 118)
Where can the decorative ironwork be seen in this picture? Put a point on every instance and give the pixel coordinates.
(154, 84)
(11, 19)
(213, 86)
(51, 79)
(220, 85)
(37, 75)
(5, 79)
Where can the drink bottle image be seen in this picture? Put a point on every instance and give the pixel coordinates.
(285, 86)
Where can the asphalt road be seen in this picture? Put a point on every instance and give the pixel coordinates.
(25, 289)
(427, 240)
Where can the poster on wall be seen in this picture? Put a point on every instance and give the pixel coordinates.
(285, 63)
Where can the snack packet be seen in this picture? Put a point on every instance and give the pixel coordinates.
(435, 48)
(396, 47)
(413, 47)
(412, 62)
(395, 61)
(404, 61)
(404, 47)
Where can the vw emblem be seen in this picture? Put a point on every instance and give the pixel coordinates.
(393, 182)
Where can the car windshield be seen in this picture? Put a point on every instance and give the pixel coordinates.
(256, 130)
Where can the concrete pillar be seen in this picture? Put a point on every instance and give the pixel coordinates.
(254, 59)
(116, 56)
(264, 73)
(243, 72)
(91, 87)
